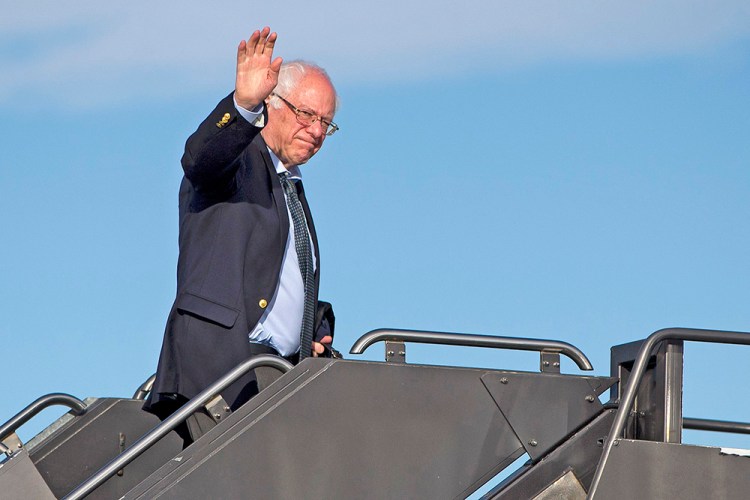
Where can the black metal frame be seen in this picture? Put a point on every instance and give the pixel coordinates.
(644, 354)
(704, 424)
(657, 409)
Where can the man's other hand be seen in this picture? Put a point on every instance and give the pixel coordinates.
(319, 348)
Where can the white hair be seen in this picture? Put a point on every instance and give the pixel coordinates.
(290, 75)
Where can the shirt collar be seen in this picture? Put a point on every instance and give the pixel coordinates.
(294, 171)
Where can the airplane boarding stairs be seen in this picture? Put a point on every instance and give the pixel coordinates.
(335, 428)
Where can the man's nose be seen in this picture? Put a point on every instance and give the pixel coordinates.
(317, 129)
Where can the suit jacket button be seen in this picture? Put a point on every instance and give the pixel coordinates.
(263, 303)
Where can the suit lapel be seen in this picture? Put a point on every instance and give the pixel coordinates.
(277, 192)
(280, 202)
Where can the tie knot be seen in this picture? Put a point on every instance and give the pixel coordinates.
(289, 183)
(286, 181)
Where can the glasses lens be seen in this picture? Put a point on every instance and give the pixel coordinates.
(305, 117)
(332, 128)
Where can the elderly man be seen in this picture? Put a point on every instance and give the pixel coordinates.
(248, 270)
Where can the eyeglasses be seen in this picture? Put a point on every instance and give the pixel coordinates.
(306, 118)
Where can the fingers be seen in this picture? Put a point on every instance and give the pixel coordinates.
(241, 51)
(247, 46)
(262, 42)
(252, 42)
(270, 43)
(276, 64)
(318, 348)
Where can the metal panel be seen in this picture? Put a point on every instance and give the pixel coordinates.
(567, 487)
(349, 429)
(544, 409)
(166, 428)
(83, 445)
(580, 454)
(20, 480)
(645, 469)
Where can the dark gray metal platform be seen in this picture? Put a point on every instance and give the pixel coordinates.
(333, 428)
(646, 469)
(368, 430)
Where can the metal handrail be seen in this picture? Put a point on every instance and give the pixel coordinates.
(77, 406)
(145, 388)
(639, 367)
(472, 340)
(164, 428)
(704, 424)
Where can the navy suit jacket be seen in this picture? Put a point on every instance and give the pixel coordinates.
(234, 226)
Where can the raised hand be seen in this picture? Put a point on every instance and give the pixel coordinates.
(257, 74)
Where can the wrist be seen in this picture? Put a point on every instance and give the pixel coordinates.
(248, 105)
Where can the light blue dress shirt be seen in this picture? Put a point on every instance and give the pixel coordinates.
(279, 326)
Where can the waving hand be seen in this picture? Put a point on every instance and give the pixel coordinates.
(257, 73)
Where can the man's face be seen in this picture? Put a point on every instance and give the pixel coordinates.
(293, 142)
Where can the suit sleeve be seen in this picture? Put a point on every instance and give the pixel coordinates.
(212, 152)
(325, 320)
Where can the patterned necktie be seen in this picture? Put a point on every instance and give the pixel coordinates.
(304, 256)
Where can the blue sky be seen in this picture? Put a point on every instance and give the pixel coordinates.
(567, 170)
